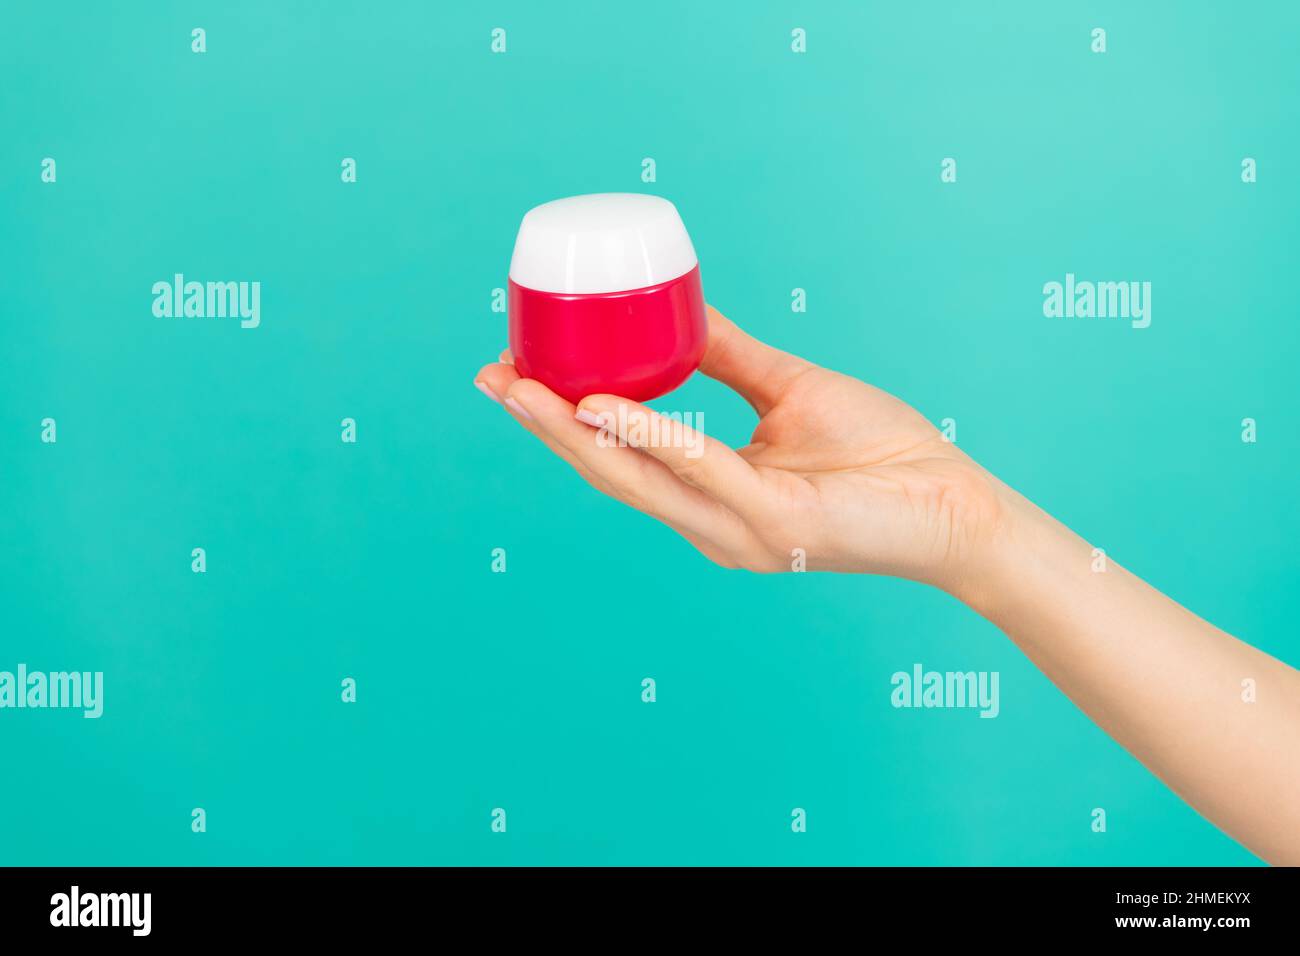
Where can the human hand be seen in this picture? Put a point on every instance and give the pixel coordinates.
(862, 482)
(857, 479)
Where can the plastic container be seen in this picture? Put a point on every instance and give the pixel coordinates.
(605, 297)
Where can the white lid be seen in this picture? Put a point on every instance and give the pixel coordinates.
(604, 242)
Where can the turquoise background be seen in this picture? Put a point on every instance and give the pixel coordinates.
(522, 690)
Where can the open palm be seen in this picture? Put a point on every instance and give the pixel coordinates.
(838, 475)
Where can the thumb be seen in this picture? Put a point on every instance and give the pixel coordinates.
(757, 371)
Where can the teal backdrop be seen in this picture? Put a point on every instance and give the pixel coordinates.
(373, 560)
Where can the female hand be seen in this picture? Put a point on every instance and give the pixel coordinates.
(861, 482)
(854, 477)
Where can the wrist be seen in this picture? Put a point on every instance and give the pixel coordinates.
(1014, 554)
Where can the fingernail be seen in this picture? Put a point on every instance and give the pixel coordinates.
(482, 387)
(518, 409)
(589, 418)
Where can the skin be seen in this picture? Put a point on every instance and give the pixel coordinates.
(863, 483)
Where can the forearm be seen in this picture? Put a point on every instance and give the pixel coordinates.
(1165, 684)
